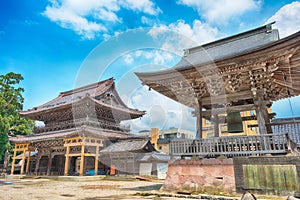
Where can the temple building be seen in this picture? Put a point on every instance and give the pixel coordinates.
(220, 80)
(244, 72)
(78, 124)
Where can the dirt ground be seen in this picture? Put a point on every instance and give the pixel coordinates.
(84, 190)
(41, 189)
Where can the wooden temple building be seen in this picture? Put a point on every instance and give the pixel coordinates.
(240, 73)
(78, 124)
(221, 79)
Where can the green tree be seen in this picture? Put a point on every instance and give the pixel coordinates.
(11, 102)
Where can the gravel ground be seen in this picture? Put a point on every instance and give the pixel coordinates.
(44, 189)
(83, 190)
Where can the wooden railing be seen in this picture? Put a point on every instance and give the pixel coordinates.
(232, 146)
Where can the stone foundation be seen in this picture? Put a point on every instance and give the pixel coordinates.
(205, 175)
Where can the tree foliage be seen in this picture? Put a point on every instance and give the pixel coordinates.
(11, 102)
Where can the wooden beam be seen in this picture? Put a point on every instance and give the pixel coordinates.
(216, 126)
(67, 161)
(81, 161)
(225, 110)
(73, 144)
(13, 162)
(49, 164)
(37, 164)
(199, 120)
(28, 162)
(227, 97)
(23, 162)
(259, 107)
(79, 154)
(96, 160)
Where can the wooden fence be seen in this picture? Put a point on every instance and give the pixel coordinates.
(232, 146)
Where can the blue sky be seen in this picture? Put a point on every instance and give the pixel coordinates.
(60, 44)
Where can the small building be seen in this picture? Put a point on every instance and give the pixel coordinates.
(135, 157)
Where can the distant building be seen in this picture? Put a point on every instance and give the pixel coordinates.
(161, 138)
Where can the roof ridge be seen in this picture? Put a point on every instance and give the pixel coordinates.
(86, 87)
(265, 28)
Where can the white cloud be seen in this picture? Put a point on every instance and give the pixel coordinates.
(145, 6)
(157, 57)
(87, 17)
(104, 14)
(287, 19)
(221, 11)
(162, 112)
(148, 21)
(179, 35)
(70, 20)
(128, 59)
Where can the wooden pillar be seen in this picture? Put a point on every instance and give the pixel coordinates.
(67, 161)
(23, 162)
(216, 126)
(96, 160)
(37, 164)
(259, 107)
(28, 162)
(13, 162)
(199, 120)
(81, 161)
(49, 163)
(267, 119)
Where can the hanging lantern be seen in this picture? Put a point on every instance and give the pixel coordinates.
(234, 122)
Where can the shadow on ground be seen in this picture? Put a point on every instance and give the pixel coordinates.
(115, 198)
(146, 188)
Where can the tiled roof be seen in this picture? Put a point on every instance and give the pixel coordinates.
(129, 146)
(68, 98)
(75, 95)
(154, 156)
(87, 131)
(288, 125)
(229, 46)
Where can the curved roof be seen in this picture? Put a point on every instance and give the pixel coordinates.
(94, 92)
(61, 134)
(269, 66)
(129, 146)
